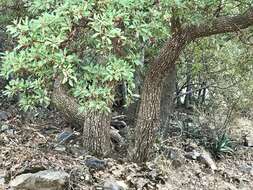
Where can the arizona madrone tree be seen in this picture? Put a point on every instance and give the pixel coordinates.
(148, 120)
(74, 53)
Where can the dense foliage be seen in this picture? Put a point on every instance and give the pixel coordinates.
(91, 46)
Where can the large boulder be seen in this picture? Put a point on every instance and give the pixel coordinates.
(43, 180)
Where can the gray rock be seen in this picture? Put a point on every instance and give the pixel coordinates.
(7, 129)
(4, 128)
(10, 132)
(246, 169)
(194, 155)
(2, 179)
(248, 141)
(206, 159)
(171, 153)
(43, 180)
(4, 115)
(116, 137)
(60, 148)
(94, 163)
(114, 185)
(64, 136)
(118, 124)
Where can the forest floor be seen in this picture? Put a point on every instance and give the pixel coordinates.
(29, 145)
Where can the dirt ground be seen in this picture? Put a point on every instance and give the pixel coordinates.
(30, 146)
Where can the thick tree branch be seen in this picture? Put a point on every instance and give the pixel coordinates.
(173, 47)
(222, 25)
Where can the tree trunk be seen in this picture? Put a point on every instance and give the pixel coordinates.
(67, 105)
(148, 119)
(96, 133)
(96, 125)
(188, 96)
(167, 97)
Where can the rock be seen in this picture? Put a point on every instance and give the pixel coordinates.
(194, 155)
(171, 153)
(4, 128)
(10, 132)
(60, 148)
(118, 124)
(4, 115)
(206, 159)
(114, 185)
(65, 136)
(248, 140)
(2, 179)
(246, 169)
(94, 163)
(43, 180)
(116, 137)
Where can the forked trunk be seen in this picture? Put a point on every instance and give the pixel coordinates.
(148, 121)
(148, 115)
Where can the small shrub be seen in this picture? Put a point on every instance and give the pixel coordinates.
(222, 145)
